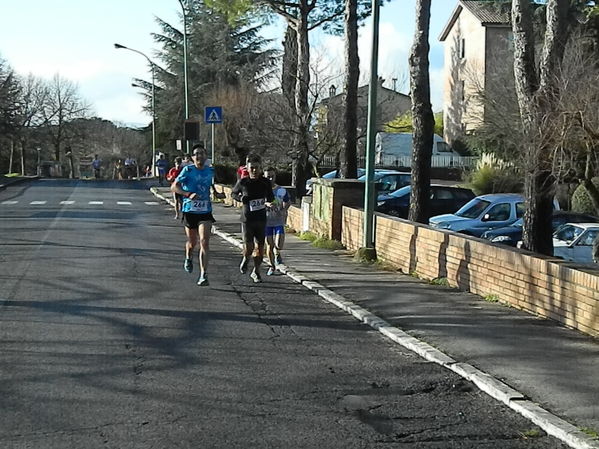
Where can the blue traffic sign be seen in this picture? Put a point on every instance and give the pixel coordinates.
(213, 114)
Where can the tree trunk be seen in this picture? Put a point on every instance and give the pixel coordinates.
(422, 116)
(289, 75)
(536, 103)
(352, 70)
(301, 99)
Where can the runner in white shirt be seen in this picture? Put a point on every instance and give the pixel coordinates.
(276, 218)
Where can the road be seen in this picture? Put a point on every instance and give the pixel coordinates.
(105, 342)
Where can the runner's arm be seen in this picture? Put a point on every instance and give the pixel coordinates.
(237, 192)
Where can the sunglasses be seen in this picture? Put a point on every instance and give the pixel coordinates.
(197, 154)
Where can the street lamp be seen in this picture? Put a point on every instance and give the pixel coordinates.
(152, 67)
(185, 63)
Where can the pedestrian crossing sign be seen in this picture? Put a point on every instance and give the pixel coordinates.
(213, 114)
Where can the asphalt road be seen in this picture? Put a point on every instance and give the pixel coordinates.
(105, 342)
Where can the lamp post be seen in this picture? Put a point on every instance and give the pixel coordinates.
(185, 64)
(152, 67)
(371, 140)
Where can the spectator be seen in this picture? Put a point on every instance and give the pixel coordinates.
(97, 166)
(161, 165)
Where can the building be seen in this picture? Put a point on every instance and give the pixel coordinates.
(479, 67)
(390, 105)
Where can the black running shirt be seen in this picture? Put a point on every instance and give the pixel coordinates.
(253, 193)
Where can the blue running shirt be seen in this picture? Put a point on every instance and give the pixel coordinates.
(193, 180)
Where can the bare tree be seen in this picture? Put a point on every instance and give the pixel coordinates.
(536, 92)
(63, 105)
(422, 115)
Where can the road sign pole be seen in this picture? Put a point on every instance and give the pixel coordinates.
(213, 144)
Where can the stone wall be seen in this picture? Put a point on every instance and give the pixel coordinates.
(549, 287)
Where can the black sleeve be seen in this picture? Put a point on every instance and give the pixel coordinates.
(237, 192)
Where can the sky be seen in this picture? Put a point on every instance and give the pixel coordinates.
(75, 38)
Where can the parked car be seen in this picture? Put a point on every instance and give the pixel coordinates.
(511, 235)
(574, 242)
(482, 213)
(444, 199)
(330, 175)
(389, 181)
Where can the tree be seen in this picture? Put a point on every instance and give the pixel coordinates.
(352, 75)
(536, 92)
(63, 104)
(224, 51)
(422, 114)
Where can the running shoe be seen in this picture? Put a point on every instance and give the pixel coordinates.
(278, 259)
(188, 265)
(256, 277)
(243, 267)
(203, 280)
(270, 271)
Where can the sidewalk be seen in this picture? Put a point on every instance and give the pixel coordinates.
(554, 367)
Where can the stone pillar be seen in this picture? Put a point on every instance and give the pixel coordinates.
(329, 197)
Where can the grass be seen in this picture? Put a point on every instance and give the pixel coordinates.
(491, 298)
(308, 236)
(325, 243)
(590, 432)
(12, 175)
(320, 242)
(531, 433)
(440, 281)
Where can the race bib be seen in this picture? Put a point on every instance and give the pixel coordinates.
(257, 204)
(202, 206)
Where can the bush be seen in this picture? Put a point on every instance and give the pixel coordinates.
(493, 175)
(581, 201)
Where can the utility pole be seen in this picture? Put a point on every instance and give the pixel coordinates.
(368, 242)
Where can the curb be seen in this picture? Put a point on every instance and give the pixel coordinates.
(8, 181)
(550, 423)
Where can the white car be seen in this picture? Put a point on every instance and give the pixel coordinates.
(574, 241)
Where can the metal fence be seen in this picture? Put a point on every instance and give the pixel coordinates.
(406, 161)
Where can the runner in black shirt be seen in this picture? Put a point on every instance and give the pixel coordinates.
(256, 195)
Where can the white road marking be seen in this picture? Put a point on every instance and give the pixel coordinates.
(152, 203)
(9, 202)
(96, 202)
(38, 202)
(67, 202)
(124, 203)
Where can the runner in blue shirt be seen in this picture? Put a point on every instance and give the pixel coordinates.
(194, 184)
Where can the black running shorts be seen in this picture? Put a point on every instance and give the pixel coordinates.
(193, 221)
(254, 230)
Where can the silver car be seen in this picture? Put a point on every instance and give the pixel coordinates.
(482, 213)
(574, 242)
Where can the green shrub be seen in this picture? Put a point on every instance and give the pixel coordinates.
(309, 236)
(324, 243)
(492, 175)
(581, 201)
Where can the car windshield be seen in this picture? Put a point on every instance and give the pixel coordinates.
(473, 208)
(568, 233)
(400, 192)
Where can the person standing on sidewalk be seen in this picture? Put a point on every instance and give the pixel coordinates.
(276, 218)
(97, 166)
(161, 165)
(170, 177)
(256, 195)
(194, 184)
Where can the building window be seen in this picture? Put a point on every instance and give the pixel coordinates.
(462, 48)
(463, 90)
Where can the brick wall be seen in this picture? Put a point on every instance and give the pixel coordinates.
(545, 286)
(294, 218)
